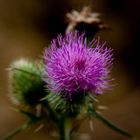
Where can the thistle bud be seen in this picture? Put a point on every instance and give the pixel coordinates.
(26, 86)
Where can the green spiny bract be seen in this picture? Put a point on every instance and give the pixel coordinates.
(68, 108)
(26, 86)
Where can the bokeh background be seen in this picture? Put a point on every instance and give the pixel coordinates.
(26, 27)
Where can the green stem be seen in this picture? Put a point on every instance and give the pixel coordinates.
(65, 129)
(111, 125)
(17, 130)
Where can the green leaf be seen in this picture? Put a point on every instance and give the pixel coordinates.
(33, 120)
(17, 130)
(93, 113)
(31, 116)
(111, 125)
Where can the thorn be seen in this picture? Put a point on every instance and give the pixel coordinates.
(96, 100)
(102, 107)
(91, 125)
(14, 109)
(8, 69)
(39, 128)
(38, 110)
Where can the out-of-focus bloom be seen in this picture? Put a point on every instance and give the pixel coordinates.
(85, 20)
(74, 68)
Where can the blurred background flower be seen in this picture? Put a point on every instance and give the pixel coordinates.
(26, 27)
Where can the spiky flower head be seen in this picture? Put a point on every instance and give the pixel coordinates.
(74, 68)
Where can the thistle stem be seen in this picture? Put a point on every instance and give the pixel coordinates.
(65, 129)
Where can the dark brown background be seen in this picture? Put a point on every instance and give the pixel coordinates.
(26, 27)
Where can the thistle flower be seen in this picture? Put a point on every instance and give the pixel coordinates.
(74, 68)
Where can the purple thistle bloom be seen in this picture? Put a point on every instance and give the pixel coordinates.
(73, 67)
